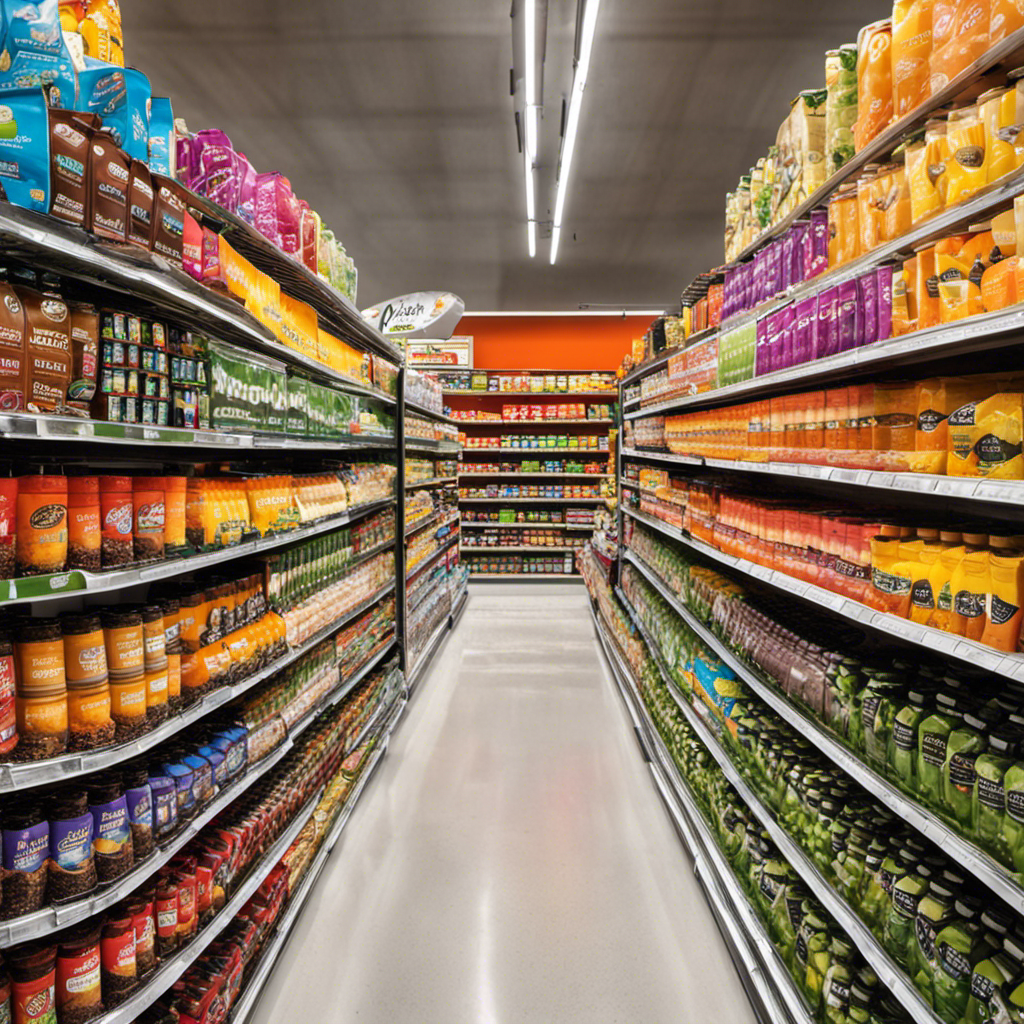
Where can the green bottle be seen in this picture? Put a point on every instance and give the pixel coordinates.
(960, 947)
(882, 698)
(817, 941)
(935, 910)
(959, 774)
(838, 980)
(988, 806)
(932, 739)
(902, 754)
(898, 931)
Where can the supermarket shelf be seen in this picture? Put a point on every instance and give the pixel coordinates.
(566, 476)
(889, 973)
(432, 447)
(536, 577)
(459, 605)
(46, 241)
(59, 585)
(421, 410)
(593, 453)
(1001, 492)
(504, 424)
(430, 559)
(424, 658)
(25, 775)
(987, 870)
(168, 973)
(339, 312)
(435, 482)
(23, 426)
(612, 395)
(249, 998)
(419, 524)
(1010, 666)
(986, 331)
(517, 526)
(886, 140)
(531, 501)
(52, 919)
(745, 931)
(519, 551)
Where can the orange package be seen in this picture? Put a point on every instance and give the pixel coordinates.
(1007, 16)
(895, 202)
(959, 37)
(911, 52)
(927, 288)
(874, 82)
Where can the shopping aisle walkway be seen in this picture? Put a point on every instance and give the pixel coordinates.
(511, 863)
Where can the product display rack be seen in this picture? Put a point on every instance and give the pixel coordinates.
(889, 973)
(421, 595)
(464, 401)
(760, 969)
(992, 874)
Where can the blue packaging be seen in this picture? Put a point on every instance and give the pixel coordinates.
(183, 778)
(219, 762)
(161, 136)
(121, 96)
(34, 52)
(25, 149)
(165, 802)
(202, 783)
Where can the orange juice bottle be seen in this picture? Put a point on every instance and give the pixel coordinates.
(969, 585)
(922, 597)
(1006, 595)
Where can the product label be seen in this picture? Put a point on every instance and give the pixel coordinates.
(145, 930)
(887, 583)
(991, 794)
(801, 949)
(968, 605)
(1015, 804)
(79, 975)
(929, 421)
(903, 735)
(165, 807)
(140, 805)
(954, 963)
(904, 902)
(933, 748)
(838, 995)
(925, 932)
(167, 918)
(921, 595)
(27, 849)
(982, 988)
(71, 841)
(868, 709)
(110, 825)
(961, 772)
(35, 1002)
(944, 602)
(1001, 611)
(118, 953)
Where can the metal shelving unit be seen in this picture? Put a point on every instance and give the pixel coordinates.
(504, 424)
(469, 549)
(531, 501)
(437, 481)
(1011, 666)
(757, 960)
(999, 879)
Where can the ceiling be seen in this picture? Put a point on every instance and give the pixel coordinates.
(394, 120)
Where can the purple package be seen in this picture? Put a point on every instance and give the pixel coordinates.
(758, 275)
(801, 237)
(788, 246)
(278, 214)
(884, 275)
(775, 326)
(744, 300)
(805, 331)
(246, 190)
(848, 314)
(788, 316)
(867, 299)
(828, 324)
(818, 262)
(219, 175)
(761, 352)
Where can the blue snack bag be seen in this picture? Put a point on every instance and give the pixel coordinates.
(121, 97)
(34, 52)
(25, 149)
(161, 136)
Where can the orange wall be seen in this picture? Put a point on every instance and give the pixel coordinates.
(551, 342)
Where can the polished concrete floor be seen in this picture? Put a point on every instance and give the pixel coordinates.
(511, 862)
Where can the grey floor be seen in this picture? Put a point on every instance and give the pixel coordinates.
(511, 863)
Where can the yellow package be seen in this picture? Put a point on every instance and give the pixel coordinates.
(966, 171)
(895, 203)
(101, 31)
(926, 288)
(1000, 152)
(937, 397)
(903, 281)
(895, 417)
(926, 171)
(959, 272)
(985, 438)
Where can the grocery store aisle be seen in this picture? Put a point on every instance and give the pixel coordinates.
(511, 862)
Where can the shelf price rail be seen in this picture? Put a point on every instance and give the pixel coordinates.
(759, 960)
(987, 870)
(889, 973)
(1010, 666)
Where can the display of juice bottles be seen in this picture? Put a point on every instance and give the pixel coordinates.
(969, 585)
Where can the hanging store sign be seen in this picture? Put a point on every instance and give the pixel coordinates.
(419, 315)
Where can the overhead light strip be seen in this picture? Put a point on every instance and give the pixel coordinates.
(531, 208)
(531, 115)
(579, 84)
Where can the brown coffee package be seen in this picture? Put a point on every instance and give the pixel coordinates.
(109, 189)
(140, 205)
(13, 361)
(168, 218)
(71, 134)
(85, 347)
(48, 349)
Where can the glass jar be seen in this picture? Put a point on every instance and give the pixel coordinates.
(117, 953)
(41, 545)
(26, 850)
(79, 993)
(33, 982)
(41, 696)
(84, 531)
(112, 836)
(88, 684)
(72, 864)
(122, 629)
(155, 662)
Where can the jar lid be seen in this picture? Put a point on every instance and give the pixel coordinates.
(37, 630)
(115, 483)
(77, 623)
(121, 616)
(83, 485)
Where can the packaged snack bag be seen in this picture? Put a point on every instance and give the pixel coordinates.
(874, 82)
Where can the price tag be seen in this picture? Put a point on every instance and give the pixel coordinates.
(149, 434)
(973, 652)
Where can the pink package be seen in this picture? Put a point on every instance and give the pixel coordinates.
(219, 170)
(187, 167)
(278, 213)
(307, 249)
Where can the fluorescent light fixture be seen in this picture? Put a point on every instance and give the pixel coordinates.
(530, 27)
(531, 210)
(572, 124)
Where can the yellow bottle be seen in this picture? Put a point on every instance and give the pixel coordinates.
(922, 597)
(941, 576)
(969, 584)
(1006, 595)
